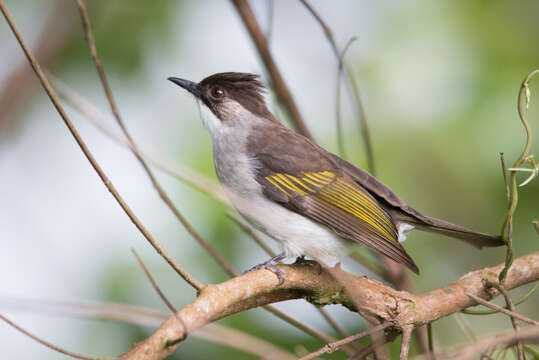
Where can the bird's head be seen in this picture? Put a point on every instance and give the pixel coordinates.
(228, 99)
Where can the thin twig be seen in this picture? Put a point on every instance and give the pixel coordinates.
(152, 281)
(502, 353)
(338, 119)
(166, 199)
(331, 347)
(506, 182)
(373, 347)
(536, 225)
(514, 320)
(490, 312)
(332, 322)
(489, 354)
(160, 293)
(501, 309)
(532, 351)
(405, 345)
(351, 85)
(43, 342)
(530, 334)
(370, 265)
(281, 89)
(186, 175)
(431, 353)
(54, 99)
(327, 30)
(465, 327)
(305, 328)
(507, 228)
(365, 133)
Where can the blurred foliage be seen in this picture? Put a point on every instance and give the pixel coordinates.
(441, 175)
(122, 30)
(448, 169)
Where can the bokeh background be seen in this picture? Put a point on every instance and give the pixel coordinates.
(439, 82)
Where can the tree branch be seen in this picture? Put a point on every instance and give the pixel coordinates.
(373, 299)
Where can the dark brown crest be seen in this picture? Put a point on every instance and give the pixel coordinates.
(244, 88)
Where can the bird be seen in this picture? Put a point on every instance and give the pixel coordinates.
(311, 201)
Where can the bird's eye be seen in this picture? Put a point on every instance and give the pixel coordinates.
(217, 92)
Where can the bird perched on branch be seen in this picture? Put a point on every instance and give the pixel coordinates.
(310, 200)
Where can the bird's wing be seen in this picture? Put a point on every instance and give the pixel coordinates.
(301, 176)
(400, 211)
(374, 186)
(341, 205)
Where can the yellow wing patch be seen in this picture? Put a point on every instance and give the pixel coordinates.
(308, 183)
(336, 191)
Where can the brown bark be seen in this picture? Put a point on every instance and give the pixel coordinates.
(373, 299)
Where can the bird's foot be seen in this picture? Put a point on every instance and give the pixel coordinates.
(270, 265)
(313, 263)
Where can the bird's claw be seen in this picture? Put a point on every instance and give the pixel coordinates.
(270, 265)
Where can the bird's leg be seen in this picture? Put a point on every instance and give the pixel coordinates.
(270, 265)
(301, 260)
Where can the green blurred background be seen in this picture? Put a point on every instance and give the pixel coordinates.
(439, 82)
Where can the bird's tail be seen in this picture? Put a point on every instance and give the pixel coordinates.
(475, 238)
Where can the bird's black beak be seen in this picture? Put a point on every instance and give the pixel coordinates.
(187, 85)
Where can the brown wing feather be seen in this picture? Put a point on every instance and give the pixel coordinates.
(340, 204)
(344, 206)
(402, 212)
(348, 226)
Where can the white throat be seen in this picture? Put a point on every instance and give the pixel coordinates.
(209, 120)
(234, 168)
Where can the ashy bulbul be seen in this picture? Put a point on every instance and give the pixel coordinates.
(310, 200)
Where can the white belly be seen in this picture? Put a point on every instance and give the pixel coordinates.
(297, 234)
